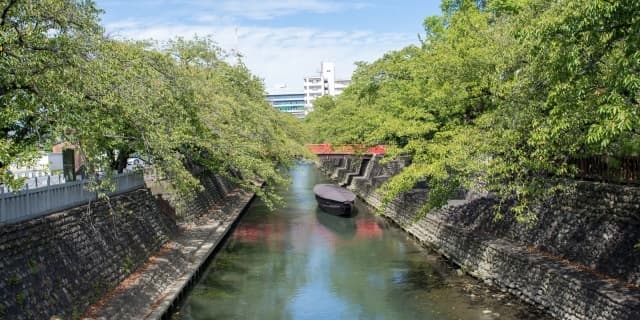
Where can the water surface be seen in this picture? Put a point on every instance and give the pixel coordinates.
(301, 263)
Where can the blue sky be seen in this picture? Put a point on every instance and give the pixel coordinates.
(281, 40)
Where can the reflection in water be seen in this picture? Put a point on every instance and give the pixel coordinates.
(368, 229)
(301, 263)
(341, 227)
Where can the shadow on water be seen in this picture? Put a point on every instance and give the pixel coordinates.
(344, 227)
(216, 289)
(422, 275)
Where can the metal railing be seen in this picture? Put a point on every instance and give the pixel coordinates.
(326, 148)
(32, 203)
(37, 182)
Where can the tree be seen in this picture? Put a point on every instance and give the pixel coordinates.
(236, 132)
(41, 41)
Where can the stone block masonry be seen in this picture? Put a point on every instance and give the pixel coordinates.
(595, 225)
(191, 207)
(576, 262)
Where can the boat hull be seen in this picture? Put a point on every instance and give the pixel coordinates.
(335, 207)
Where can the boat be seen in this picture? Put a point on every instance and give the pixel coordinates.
(334, 199)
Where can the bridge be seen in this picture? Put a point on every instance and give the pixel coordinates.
(326, 149)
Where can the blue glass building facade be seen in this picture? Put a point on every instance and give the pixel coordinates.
(288, 102)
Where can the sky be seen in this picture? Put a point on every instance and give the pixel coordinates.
(281, 41)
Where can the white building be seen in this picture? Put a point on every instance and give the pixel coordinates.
(47, 164)
(323, 84)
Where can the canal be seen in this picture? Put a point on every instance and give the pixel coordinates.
(300, 263)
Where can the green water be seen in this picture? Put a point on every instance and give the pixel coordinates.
(300, 263)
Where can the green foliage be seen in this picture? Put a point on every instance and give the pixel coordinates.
(501, 96)
(76, 314)
(20, 299)
(33, 266)
(14, 280)
(127, 265)
(39, 41)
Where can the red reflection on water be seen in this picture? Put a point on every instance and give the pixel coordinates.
(273, 235)
(368, 229)
(249, 234)
(276, 234)
(326, 233)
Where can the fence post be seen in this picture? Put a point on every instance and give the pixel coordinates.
(48, 205)
(3, 212)
(28, 194)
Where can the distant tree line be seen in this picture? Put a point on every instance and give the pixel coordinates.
(501, 94)
(180, 104)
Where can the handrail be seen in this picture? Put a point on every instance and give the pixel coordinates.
(327, 148)
(32, 203)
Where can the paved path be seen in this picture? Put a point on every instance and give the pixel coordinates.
(150, 290)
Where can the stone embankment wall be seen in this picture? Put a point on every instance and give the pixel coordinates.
(576, 261)
(188, 209)
(60, 263)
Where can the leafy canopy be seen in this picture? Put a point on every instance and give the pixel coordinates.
(502, 95)
(185, 105)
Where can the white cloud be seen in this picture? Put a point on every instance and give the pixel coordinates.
(269, 9)
(280, 55)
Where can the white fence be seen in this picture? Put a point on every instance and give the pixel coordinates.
(32, 203)
(39, 182)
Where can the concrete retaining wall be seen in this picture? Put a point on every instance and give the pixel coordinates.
(576, 262)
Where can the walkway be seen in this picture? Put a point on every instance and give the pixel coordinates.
(149, 292)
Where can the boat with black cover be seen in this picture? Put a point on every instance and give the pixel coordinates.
(334, 199)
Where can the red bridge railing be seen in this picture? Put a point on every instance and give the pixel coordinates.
(326, 148)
